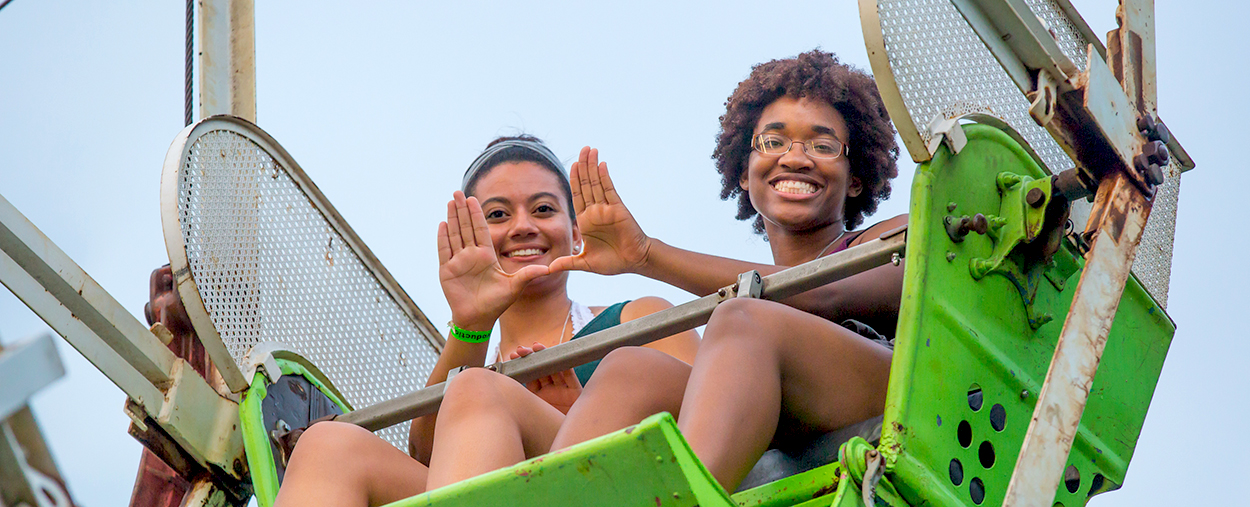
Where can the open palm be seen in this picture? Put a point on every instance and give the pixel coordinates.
(614, 242)
(477, 289)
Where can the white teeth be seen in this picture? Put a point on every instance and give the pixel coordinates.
(524, 252)
(794, 187)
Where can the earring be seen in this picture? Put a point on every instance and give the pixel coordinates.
(577, 249)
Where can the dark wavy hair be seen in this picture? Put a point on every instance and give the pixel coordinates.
(521, 154)
(813, 75)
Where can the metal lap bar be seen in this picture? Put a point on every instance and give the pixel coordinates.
(644, 330)
(117, 344)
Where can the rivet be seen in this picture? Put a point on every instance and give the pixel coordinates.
(950, 256)
(1024, 395)
(950, 206)
(895, 259)
(659, 459)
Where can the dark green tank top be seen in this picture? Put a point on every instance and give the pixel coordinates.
(609, 317)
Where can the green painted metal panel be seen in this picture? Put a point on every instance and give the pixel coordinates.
(256, 438)
(644, 465)
(958, 333)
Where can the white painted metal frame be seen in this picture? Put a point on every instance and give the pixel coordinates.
(226, 38)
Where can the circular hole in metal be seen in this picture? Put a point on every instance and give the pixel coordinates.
(1095, 484)
(986, 453)
(974, 397)
(998, 417)
(1072, 478)
(957, 472)
(965, 434)
(976, 489)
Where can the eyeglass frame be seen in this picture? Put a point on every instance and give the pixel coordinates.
(807, 146)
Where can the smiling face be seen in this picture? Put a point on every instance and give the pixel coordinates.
(526, 209)
(795, 192)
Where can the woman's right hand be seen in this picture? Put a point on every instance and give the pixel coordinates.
(613, 241)
(477, 289)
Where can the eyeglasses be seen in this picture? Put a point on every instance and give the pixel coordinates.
(826, 148)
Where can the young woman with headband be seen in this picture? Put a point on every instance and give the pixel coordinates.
(513, 218)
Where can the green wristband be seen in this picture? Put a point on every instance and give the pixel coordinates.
(467, 336)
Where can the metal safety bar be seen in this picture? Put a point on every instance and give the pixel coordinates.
(644, 330)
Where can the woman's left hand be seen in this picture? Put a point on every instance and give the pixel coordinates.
(559, 390)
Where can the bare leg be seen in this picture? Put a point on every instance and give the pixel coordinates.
(760, 361)
(630, 384)
(488, 421)
(343, 464)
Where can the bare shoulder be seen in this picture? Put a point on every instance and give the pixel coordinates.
(879, 228)
(643, 306)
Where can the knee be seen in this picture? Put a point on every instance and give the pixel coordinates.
(639, 369)
(741, 318)
(473, 390)
(330, 441)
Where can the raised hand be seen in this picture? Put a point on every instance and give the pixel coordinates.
(614, 243)
(559, 390)
(477, 289)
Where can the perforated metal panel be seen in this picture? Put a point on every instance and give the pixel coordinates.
(937, 67)
(271, 267)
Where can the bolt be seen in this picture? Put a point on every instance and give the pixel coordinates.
(895, 259)
(1036, 197)
(1153, 129)
(1156, 153)
(1024, 395)
(950, 256)
(722, 292)
(950, 206)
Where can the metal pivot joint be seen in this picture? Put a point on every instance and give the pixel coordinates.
(750, 285)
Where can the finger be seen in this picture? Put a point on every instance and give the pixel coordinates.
(453, 229)
(481, 233)
(546, 381)
(524, 351)
(527, 274)
(465, 221)
(579, 204)
(533, 386)
(570, 378)
(538, 346)
(513, 355)
(609, 189)
(596, 186)
(444, 244)
(569, 263)
(583, 176)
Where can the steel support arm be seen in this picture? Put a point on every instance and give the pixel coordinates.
(74, 305)
(644, 330)
(165, 389)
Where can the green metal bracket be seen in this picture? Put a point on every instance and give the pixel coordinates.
(1021, 216)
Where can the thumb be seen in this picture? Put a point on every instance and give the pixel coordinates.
(569, 263)
(528, 273)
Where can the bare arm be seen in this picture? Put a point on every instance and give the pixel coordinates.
(872, 296)
(477, 290)
(615, 243)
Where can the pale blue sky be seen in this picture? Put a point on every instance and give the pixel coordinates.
(385, 103)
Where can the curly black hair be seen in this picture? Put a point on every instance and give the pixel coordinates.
(815, 75)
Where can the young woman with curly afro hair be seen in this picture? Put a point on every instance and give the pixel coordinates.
(807, 148)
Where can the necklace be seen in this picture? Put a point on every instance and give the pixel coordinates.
(559, 340)
(826, 248)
